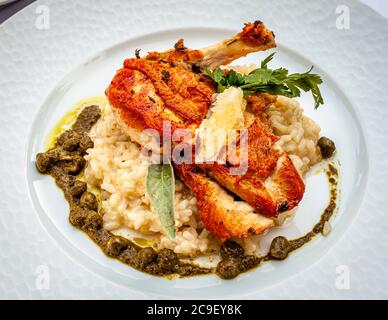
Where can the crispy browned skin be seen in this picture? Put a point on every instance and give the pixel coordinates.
(271, 185)
(154, 92)
(180, 56)
(163, 87)
(216, 207)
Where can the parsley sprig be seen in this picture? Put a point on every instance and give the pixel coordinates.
(263, 79)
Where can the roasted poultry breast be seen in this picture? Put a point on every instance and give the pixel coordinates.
(169, 86)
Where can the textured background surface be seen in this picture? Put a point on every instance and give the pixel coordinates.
(355, 58)
(6, 11)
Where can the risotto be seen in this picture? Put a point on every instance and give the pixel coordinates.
(117, 166)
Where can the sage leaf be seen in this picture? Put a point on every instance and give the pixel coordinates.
(160, 190)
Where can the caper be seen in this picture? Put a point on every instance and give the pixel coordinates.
(327, 147)
(280, 248)
(115, 245)
(231, 249)
(228, 268)
(88, 200)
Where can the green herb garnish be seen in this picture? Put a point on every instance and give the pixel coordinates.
(160, 190)
(263, 79)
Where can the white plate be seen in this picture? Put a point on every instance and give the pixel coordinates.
(37, 77)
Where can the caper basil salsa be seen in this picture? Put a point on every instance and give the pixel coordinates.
(65, 162)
